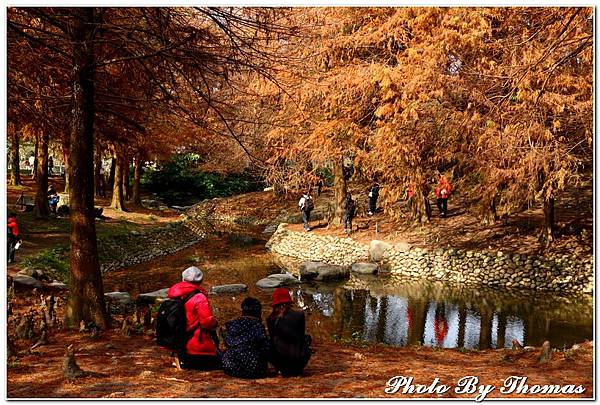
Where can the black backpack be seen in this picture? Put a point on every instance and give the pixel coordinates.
(171, 323)
(309, 204)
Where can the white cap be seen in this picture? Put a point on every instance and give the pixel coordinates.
(192, 275)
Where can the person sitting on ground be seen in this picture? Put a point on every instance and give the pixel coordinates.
(290, 346)
(306, 205)
(442, 192)
(201, 351)
(53, 199)
(373, 195)
(349, 211)
(246, 343)
(13, 239)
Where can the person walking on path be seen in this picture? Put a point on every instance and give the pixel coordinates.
(50, 166)
(306, 205)
(201, 351)
(373, 195)
(53, 199)
(442, 192)
(290, 345)
(349, 211)
(13, 240)
(319, 187)
(246, 343)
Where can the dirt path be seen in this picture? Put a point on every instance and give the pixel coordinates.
(135, 367)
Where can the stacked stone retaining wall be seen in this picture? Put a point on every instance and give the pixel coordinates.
(135, 248)
(500, 269)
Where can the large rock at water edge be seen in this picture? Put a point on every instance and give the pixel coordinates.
(286, 278)
(403, 246)
(229, 289)
(322, 271)
(119, 298)
(377, 249)
(153, 296)
(26, 281)
(365, 268)
(269, 283)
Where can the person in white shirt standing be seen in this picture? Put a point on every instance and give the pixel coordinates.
(306, 205)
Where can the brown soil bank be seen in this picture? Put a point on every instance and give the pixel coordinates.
(134, 368)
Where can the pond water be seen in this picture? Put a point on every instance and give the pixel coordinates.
(375, 309)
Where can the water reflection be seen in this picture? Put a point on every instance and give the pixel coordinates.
(401, 319)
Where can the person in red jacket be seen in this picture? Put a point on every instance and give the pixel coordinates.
(13, 236)
(201, 351)
(442, 192)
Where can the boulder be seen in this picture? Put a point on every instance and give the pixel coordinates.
(269, 283)
(153, 296)
(402, 246)
(377, 249)
(26, 281)
(229, 289)
(286, 278)
(322, 271)
(118, 297)
(364, 268)
(58, 285)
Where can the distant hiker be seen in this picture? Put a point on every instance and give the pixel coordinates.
(348, 171)
(246, 343)
(50, 165)
(53, 199)
(290, 345)
(349, 211)
(100, 182)
(13, 240)
(32, 162)
(442, 192)
(373, 195)
(200, 351)
(410, 193)
(306, 205)
(319, 187)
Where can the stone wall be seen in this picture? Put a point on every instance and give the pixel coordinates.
(135, 247)
(494, 269)
(308, 246)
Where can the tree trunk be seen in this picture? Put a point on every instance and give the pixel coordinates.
(86, 298)
(42, 209)
(421, 209)
(488, 212)
(67, 171)
(117, 194)
(35, 159)
(111, 174)
(547, 234)
(339, 192)
(137, 174)
(15, 173)
(126, 186)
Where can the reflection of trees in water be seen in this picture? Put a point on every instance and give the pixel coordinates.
(399, 320)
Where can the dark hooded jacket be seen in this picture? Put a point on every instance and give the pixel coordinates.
(247, 348)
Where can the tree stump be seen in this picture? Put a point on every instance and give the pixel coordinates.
(70, 367)
(546, 353)
(126, 329)
(43, 340)
(25, 327)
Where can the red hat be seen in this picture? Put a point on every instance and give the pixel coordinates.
(281, 296)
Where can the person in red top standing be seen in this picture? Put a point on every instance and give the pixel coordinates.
(442, 192)
(201, 351)
(13, 236)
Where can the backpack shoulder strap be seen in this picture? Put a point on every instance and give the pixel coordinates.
(189, 296)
